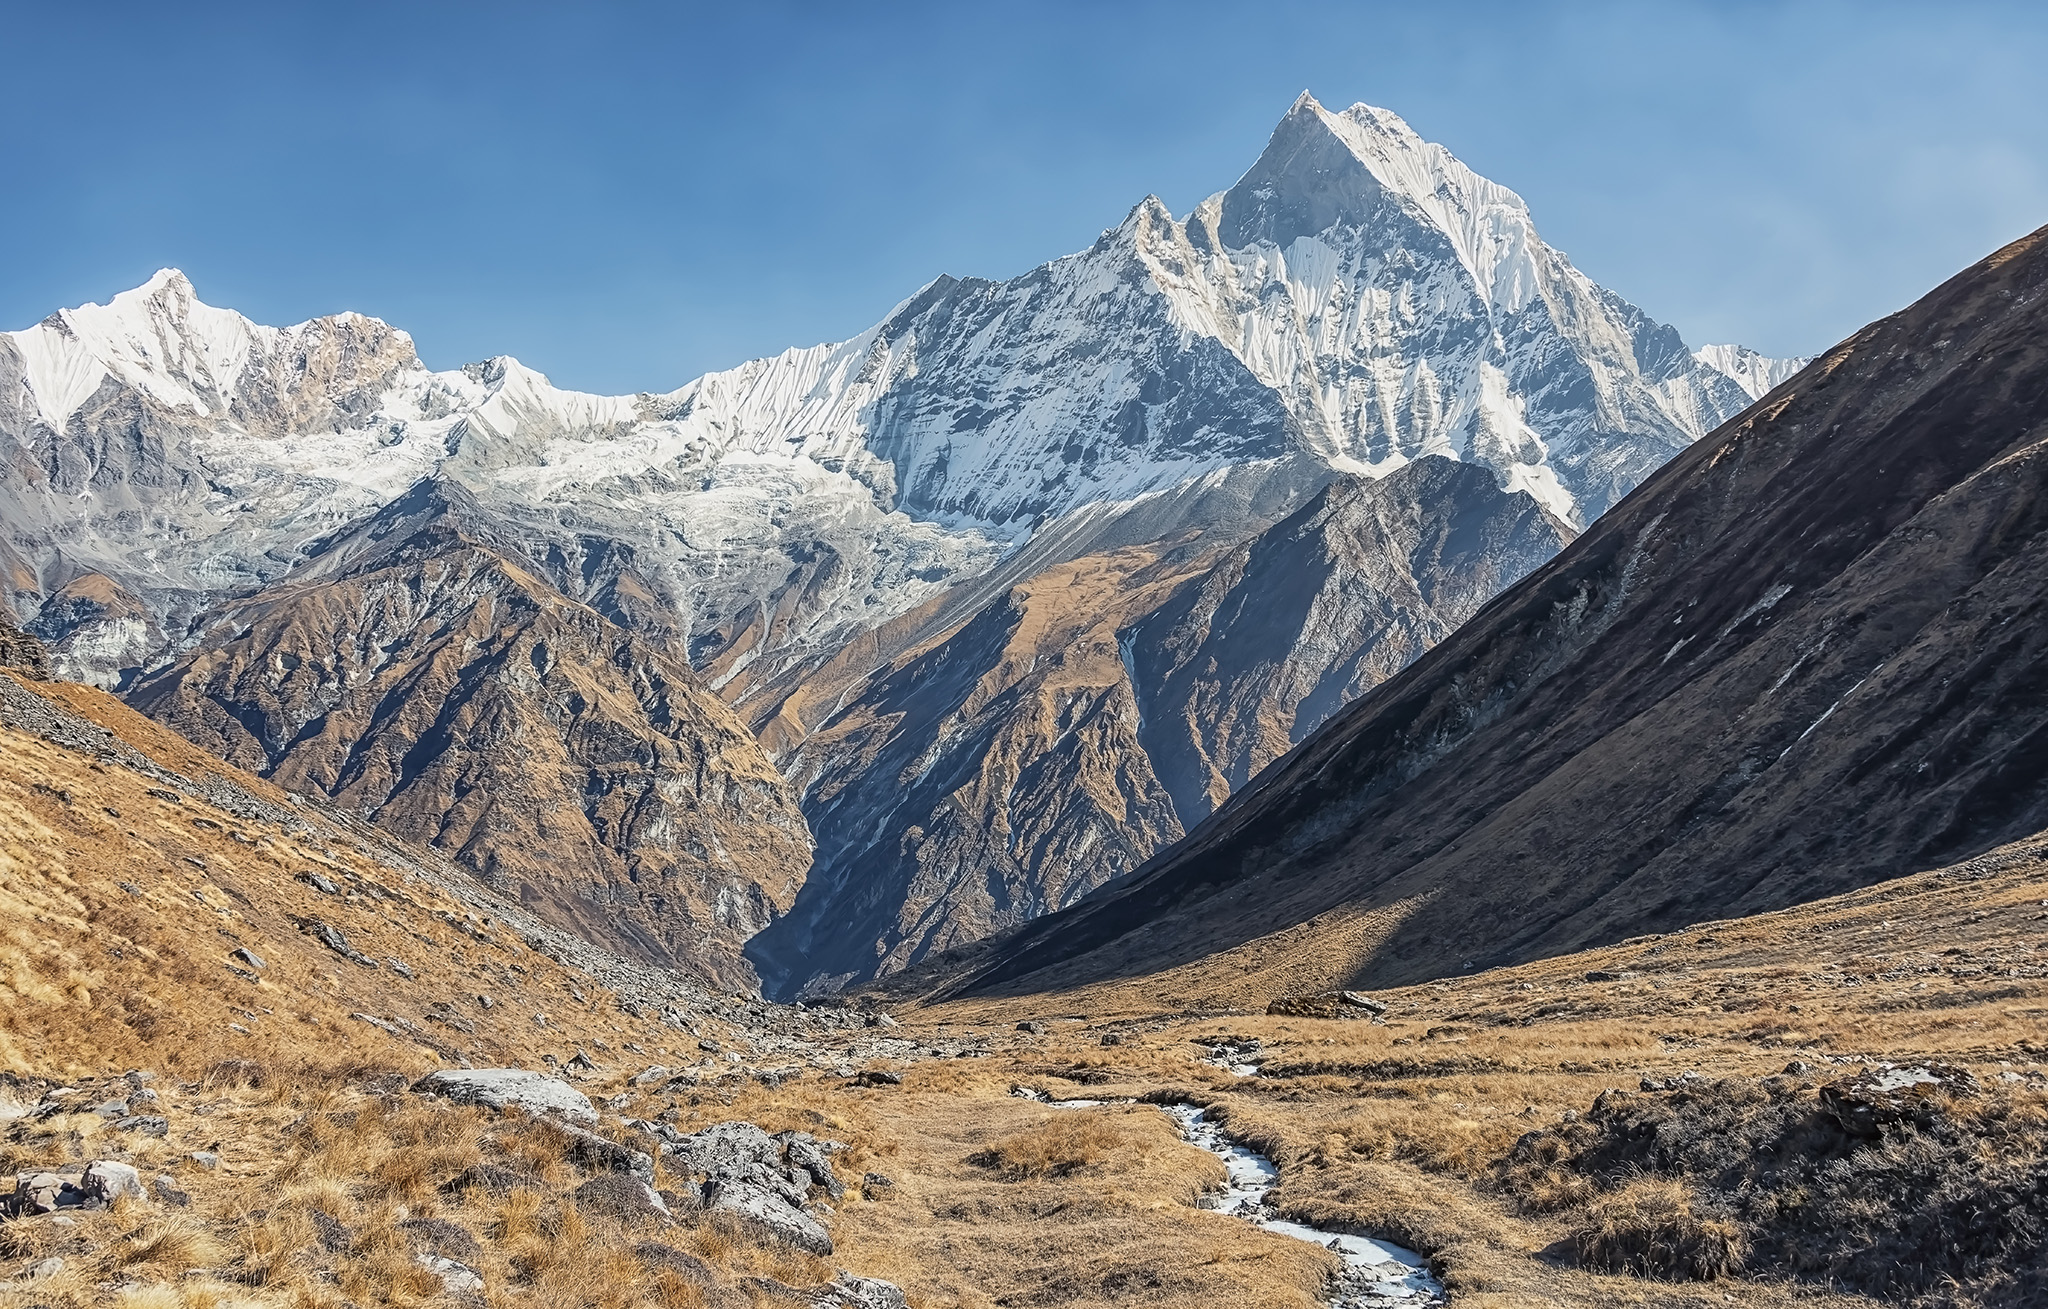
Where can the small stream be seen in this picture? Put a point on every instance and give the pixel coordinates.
(1375, 1273)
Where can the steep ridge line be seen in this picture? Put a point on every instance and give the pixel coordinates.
(1798, 660)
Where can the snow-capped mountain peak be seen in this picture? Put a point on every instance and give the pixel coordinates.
(1358, 300)
(1323, 169)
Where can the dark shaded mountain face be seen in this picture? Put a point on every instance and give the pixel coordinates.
(1806, 656)
(1089, 715)
(414, 672)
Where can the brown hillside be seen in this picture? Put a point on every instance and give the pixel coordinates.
(419, 675)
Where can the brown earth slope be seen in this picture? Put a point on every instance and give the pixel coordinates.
(1805, 657)
(1092, 713)
(419, 674)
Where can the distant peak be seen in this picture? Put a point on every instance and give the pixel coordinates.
(1304, 103)
(162, 280)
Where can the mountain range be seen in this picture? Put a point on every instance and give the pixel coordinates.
(810, 667)
(1803, 658)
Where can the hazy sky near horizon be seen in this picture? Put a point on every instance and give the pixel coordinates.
(627, 195)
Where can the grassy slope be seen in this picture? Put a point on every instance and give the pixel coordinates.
(1400, 1129)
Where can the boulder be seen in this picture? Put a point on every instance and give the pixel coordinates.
(147, 1124)
(813, 1157)
(769, 1212)
(1876, 1098)
(737, 1151)
(1327, 1004)
(107, 1180)
(330, 936)
(42, 1193)
(509, 1088)
(849, 1292)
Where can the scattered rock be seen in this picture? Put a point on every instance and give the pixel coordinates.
(1034, 1027)
(877, 1077)
(168, 1191)
(148, 1124)
(849, 1292)
(456, 1279)
(1605, 975)
(882, 1020)
(1798, 1068)
(509, 1088)
(330, 936)
(111, 1109)
(649, 1076)
(1327, 1004)
(1876, 1098)
(206, 1159)
(875, 1186)
(47, 1268)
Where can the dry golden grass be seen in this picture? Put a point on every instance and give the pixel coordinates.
(1650, 1227)
(1058, 1146)
(119, 910)
(328, 1188)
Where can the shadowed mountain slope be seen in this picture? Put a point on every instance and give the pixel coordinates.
(1089, 715)
(1804, 657)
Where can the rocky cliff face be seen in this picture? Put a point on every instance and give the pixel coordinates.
(416, 674)
(1090, 716)
(1802, 658)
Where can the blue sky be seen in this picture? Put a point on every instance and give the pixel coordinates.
(625, 195)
